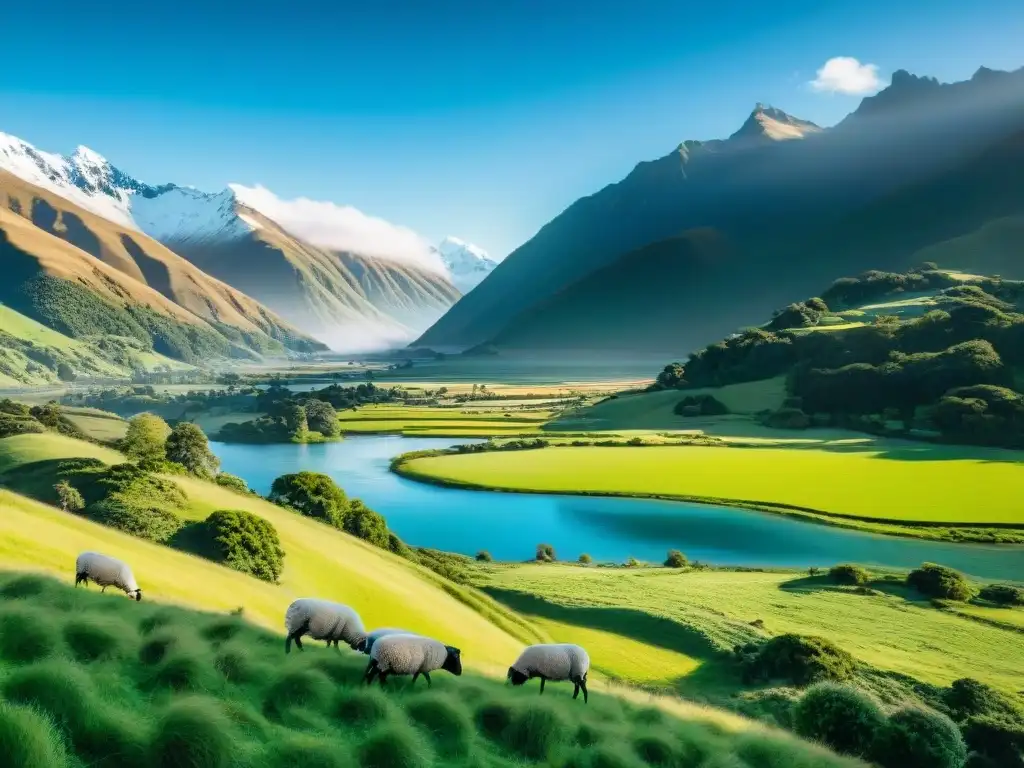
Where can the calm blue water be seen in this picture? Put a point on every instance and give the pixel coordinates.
(511, 525)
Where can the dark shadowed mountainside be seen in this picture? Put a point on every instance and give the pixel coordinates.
(795, 203)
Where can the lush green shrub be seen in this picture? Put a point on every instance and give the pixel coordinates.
(585, 559)
(395, 746)
(999, 739)
(967, 697)
(483, 556)
(849, 574)
(93, 638)
(19, 425)
(135, 516)
(799, 659)
(68, 497)
(536, 731)
(939, 581)
(312, 494)
(247, 543)
(322, 418)
(29, 739)
(914, 737)
(446, 722)
(675, 559)
(787, 418)
(1004, 594)
(233, 482)
(844, 718)
(26, 634)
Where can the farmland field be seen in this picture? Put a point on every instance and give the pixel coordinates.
(912, 483)
(433, 422)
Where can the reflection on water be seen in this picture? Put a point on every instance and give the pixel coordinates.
(510, 525)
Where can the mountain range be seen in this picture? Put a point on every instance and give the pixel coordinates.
(715, 234)
(223, 257)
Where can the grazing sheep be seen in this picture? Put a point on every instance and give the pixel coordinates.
(555, 662)
(411, 655)
(367, 645)
(322, 620)
(107, 572)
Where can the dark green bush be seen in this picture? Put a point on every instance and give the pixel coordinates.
(787, 418)
(585, 559)
(657, 748)
(91, 638)
(939, 581)
(675, 559)
(849, 574)
(700, 405)
(1000, 740)
(361, 707)
(483, 556)
(233, 482)
(799, 659)
(537, 731)
(1003, 594)
(546, 553)
(29, 739)
(298, 688)
(135, 516)
(914, 737)
(493, 719)
(247, 543)
(304, 751)
(967, 697)
(60, 690)
(844, 718)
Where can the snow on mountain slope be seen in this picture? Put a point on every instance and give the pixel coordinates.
(467, 264)
(184, 214)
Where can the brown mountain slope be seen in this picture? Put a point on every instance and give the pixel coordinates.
(45, 235)
(343, 298)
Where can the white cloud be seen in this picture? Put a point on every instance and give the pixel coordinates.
(341, 228)
(844, 74)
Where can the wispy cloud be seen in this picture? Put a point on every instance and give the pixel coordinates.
(845, 74)
(341, 228)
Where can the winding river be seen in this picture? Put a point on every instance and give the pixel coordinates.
(510, 525)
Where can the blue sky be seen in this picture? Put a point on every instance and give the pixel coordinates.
(479, 119)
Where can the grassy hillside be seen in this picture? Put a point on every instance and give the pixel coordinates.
(929, 485)
(125, 271)
(335, 296)
(319, 560)
(100, 681)
(30, 354)
(693, 619)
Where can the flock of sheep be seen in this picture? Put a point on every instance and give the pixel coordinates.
(392, 651)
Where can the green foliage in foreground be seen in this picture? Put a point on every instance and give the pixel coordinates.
(795, 659)
(101, 681)
(939, 581)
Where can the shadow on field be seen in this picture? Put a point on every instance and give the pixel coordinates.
(34, 479)
(893, 588)
(633, 624)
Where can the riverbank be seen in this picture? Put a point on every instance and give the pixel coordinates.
(923, 496)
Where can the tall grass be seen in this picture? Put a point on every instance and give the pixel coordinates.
(100, 680)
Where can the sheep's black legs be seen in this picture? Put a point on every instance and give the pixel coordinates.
(576, 690)
(542, 680)
(426, 676)
(382, 678)
(81, 577)
(583, 687)
(297, 637)
(414, 679)
(103, 590)
(371, 672)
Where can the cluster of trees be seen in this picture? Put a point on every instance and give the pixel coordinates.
(289, 421)
(20, 419)
(316, 495)
(951, 369)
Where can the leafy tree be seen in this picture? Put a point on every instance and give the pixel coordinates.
(483, 556)
(675, 559)
(585, 559)
(671, 377)
(247, 543)
(545, 553)
(844, 718)
(322, 418)
(364, 523)
(849, 574)
(187, 445)
(312, 494)
(69, 497)
(1003, 594)
(146, 437)
(295, 420)
(914, 737)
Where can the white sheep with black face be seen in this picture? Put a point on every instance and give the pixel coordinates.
(411, 655)
(322, 620)
(555, 662)
(107, 572)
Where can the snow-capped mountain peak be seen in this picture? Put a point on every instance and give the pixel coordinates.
(467, 264)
